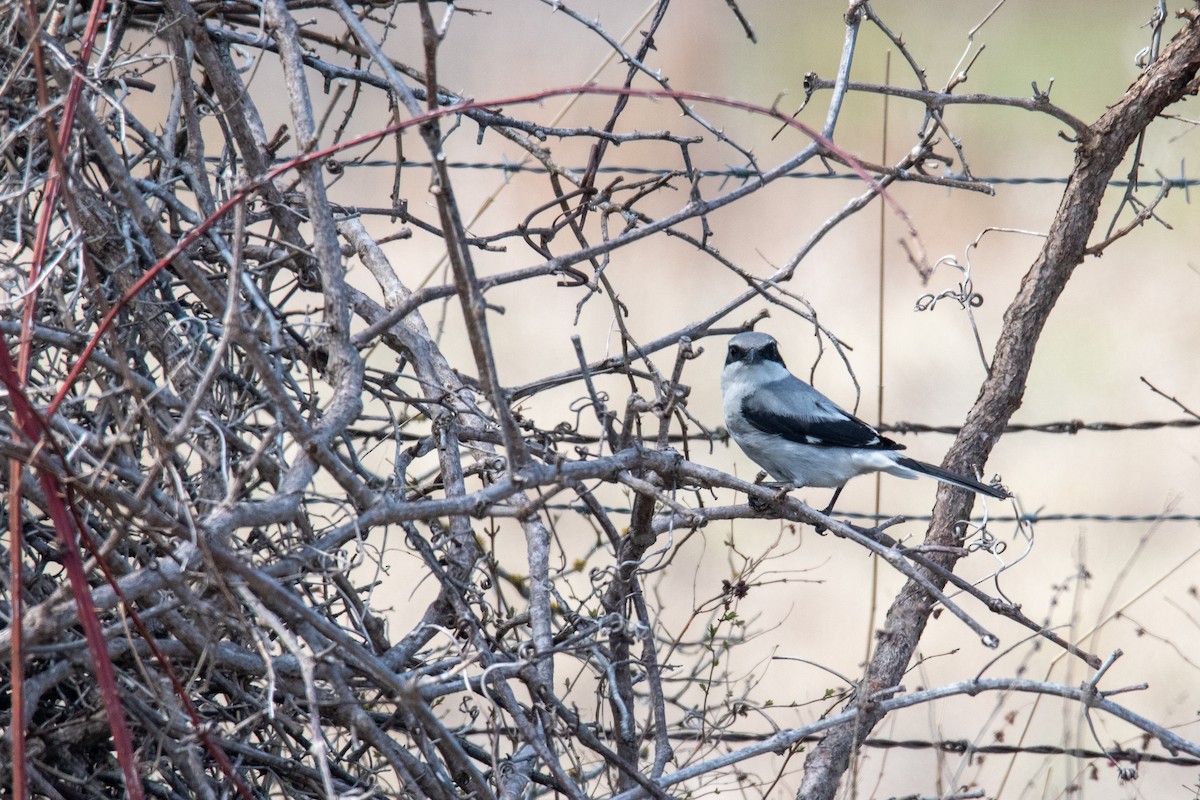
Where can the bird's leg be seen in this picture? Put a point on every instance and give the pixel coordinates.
(829, 508)
(836, 493)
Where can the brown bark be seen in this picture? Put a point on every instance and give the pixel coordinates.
(1100, 152)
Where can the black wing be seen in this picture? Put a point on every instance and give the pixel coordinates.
(822, 423)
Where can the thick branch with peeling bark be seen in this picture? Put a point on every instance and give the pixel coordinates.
(1103, 146)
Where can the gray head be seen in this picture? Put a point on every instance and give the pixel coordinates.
(753, 347)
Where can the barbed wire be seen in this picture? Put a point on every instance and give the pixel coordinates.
(1072, 426)
(1034, 517)
(745, 173)
(966, 747)
(719, 435)
(1029, 518)
(953, 746)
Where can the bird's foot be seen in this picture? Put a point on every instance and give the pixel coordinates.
(762, 506)
(758, 505)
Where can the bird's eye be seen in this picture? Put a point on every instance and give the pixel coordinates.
(735, 352)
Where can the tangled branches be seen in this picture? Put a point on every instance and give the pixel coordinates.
(269, 485)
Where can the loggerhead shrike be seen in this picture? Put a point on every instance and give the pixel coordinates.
(800, 436)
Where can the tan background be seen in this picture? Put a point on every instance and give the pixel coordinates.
(1127, 315)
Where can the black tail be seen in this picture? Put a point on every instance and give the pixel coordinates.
(946, 476)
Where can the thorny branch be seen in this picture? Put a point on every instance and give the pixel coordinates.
(300, 504)
(1099, 153)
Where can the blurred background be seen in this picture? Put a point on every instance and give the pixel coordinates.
(1111, 559)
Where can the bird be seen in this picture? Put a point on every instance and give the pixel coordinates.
(800, 436)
